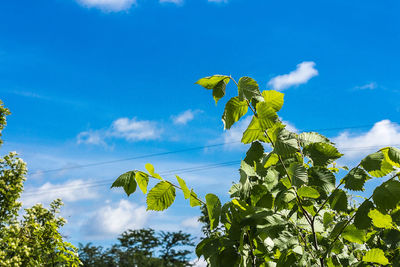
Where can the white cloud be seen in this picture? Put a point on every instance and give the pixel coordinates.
(184, 117)
(199, 263)
(192, 222)
(108, 5)
(129, 129)
(302, 74)
(383, 133)
(70, 191)
(368, 86)
(112, 220)
(177, 2)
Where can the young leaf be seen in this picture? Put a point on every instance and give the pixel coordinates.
(354, 235)
(338, 201)
(214, 210)
(142, 180)
(355, 179)
(123, 179)
(161, 196)
(234, 110)
(361, 220)
(375, 255)
(185, 189)
(254, 132)
(387, 195)
(266, 115)
(150, 168)
(273, 98)
(307, 191)
(248, 88)
(376, 165)
(193, 199)
(380, 220)
(217, 83)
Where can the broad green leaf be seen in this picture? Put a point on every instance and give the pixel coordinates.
(376, 165)
(234, 110)
(338, 200)
(273, 98)
(322, 178)
(380, 220)
(387, 195)
(286, 143)
(185, 189)
(248, 88)
(375, 255)
(123, 179)
(354, 235)
(254, 132)
(271, 160)
(193, 199)
(217, 83)
(321, 154)
(392, 155)
(142, 180)
(150, 168)
(307, 191)
(327, 219)
(161, 196)
(214, 210)
(355, 179)
(254, 154)
(361, 220)
(130, 187)
(267, 116)
(308, 138)
(337, 229)
(299, 174)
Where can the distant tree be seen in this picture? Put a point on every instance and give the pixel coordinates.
(169, 254)
(35, 240)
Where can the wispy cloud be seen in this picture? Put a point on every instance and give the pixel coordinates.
(302, 74)
(184, 117)
(218, 1)
(368, 86)
(112, 219)
(383, 133)
(192, 222)
(176, 2)
(67, 191)
(108, 5)
(124, 128)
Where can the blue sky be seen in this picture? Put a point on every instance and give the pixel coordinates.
(91, 81)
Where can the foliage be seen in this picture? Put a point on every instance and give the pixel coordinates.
(140, 248)
(287, 208)
(34, 240)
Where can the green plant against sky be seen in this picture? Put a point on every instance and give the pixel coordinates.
(287, 209)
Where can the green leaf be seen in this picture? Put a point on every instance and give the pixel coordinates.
(254, 132)
(322, 154)
(327, 219)
(338, 200)
(286, 143)
(254, 154)
(271, 160)
(322, 178)
(387, 195)
(376, 165)
(355, 179)
(299, 174)
(234, 110)
(392, 155)
(130, 187)
(123, 179)
(185, 189)
(306, 139)
(361, 220)
(161, 196)
(150, 168)
(142, 180)
(267, 116)
(354, 235)
(375, 255)
(217, 83)
(214, 210)
(273, 98)
(307, 191)
(248, 88)
(380, 220)
(193, 199)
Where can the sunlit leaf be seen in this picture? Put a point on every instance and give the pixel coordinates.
(380, 220)
(217, 83)
(361, 220)
(376, 165)
(338, 200)
(185, 189)
(234, 110)
(193, 199)
(161, 196)
(375, 255)
(248, 88)
(322, 154)
(273, 98)
(307, 191)
(142, 180)
(352, 234)
(387, 195)
(254, 132)
(214, 209)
